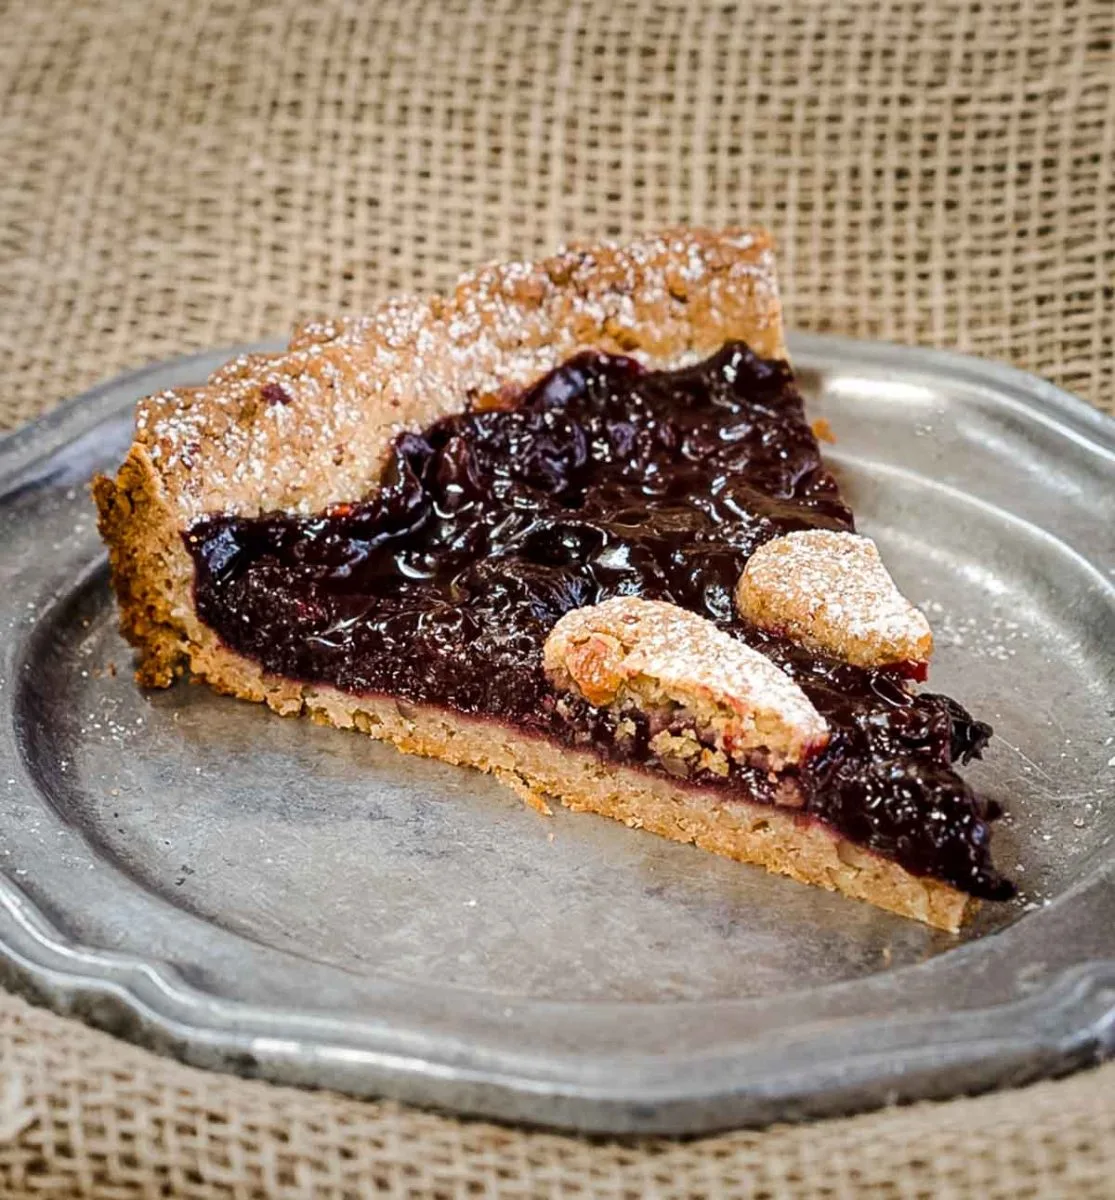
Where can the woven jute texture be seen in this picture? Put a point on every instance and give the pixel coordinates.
(177, 174)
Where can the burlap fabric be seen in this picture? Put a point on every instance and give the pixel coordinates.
(182, 173)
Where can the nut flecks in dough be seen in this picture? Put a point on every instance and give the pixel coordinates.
(831, 592)
(684, 673)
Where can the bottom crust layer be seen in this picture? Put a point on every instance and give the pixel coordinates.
(781, 840)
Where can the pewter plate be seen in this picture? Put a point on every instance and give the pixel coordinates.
(269, 897)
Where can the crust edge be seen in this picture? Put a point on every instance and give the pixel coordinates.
(782, 841)
(313, 425)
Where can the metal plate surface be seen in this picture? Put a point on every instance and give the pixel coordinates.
(274, 898)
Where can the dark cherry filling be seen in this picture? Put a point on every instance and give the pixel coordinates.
(606, 479)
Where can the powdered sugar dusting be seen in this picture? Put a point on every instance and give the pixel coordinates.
(347, 387)
(995, 636)
(831, 591)
(602, 650)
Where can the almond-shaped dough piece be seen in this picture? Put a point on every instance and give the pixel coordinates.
(682, 671)
(830, 592)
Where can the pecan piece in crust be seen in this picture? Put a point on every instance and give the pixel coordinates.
(686, 675)
(831, 592)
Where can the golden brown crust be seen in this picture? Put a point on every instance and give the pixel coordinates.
(831, 592)
(628, 653)
(781, 840)
(151, 571)
(310, 427)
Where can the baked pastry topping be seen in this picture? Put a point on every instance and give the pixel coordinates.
(539, 577)
(699, 688)
(830, 592)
